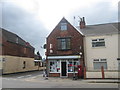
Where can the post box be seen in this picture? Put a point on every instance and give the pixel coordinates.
(80, 71)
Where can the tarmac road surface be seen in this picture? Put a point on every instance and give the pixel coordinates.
(36, 80)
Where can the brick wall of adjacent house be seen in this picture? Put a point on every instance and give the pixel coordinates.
(14, 49)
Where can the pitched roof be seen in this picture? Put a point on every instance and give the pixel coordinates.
(11, 37)
(100, 29)
(65, 20)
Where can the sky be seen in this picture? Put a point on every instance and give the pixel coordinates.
(33, 20)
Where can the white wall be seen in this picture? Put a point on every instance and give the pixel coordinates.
(109, 52)
(14, 64)
(107, 74)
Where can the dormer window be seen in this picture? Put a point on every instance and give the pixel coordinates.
(63, 26)
(16, 39)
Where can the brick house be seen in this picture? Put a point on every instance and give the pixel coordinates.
(17, 55)
(64, 50)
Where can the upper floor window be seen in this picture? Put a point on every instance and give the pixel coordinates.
(63, 26)
(98, 42)
(16, 39)
(64, 43)
(25, 50)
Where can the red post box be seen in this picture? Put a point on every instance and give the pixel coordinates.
(80, 73)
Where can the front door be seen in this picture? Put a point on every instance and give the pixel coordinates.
(63, 69)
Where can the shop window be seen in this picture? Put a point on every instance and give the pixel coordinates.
(73, 65)
(54, 66)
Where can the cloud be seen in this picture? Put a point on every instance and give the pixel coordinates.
(24, 24)
(33, 20)
(101, 12)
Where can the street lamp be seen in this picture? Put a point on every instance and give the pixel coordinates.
(80, 53)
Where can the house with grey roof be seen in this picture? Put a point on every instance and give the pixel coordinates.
(101, 44)
(16, 54)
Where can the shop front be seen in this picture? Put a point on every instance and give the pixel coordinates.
(63, 66)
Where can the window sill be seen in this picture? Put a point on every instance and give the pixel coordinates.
(98, 47)
(63, 49)
(72, 72)
(54, 72)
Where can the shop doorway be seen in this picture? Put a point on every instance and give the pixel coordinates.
(63, 69)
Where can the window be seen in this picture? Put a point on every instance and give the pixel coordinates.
(64, 44)
(63, 26)
(100, 62)
(72, 65)
(36, 63)
(119, 66)
(98, 42)
(17, 39)
(54, 66)
(24, 65)
(25, 50)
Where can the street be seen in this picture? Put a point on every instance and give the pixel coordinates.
(36, 80)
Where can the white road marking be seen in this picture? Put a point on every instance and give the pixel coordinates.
(21, 77)
(28, 75)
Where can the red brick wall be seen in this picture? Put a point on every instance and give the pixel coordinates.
(76, 41)
(14, 49)
(54, 74)
(70, 75)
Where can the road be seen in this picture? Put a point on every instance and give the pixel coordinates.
(36, 80)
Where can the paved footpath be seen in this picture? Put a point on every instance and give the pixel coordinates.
(38, 81)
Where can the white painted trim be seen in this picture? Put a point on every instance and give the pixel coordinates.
(72, 72)
(54, 72)
(37, 60)
(64, 57)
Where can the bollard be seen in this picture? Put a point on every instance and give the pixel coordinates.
(84, 72)
(102, 70)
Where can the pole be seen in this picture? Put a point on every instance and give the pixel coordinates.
(84, 72)
(102, 70)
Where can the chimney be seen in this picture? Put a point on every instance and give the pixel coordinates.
(82, 23)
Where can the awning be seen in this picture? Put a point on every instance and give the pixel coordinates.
(64, 57)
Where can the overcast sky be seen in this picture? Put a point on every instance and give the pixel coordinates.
(33, 20)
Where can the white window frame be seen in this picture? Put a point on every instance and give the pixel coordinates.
(56, 67)
(72, 63)
(63, 26)
(100, 61)
(98, 40)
